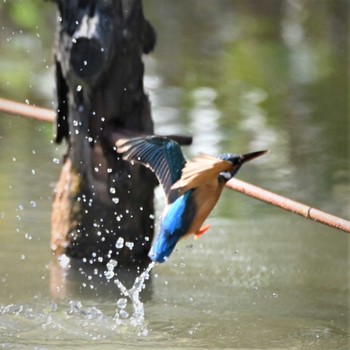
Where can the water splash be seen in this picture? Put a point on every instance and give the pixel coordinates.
(120, 243)
(138, 315)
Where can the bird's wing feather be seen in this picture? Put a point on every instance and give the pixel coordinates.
(199, 171)
(161, 154)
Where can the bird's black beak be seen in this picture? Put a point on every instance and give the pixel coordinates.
(249, 156)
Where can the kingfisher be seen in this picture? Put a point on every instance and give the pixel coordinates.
(192, 188)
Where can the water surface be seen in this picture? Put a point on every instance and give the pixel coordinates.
(239, 77)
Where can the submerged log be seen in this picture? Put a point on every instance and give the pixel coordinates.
(99, 198)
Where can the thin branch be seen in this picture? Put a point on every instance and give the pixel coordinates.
(27, 111)
(289, 205)
(47, 115)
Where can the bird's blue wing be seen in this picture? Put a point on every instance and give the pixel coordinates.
(173, 227)
(161, 154)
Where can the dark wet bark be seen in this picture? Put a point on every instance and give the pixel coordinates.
(99, 75)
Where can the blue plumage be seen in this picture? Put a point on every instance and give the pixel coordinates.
(174, 225)
(191, 188)
(162, 155)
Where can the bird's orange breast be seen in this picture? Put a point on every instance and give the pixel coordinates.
(205, 198)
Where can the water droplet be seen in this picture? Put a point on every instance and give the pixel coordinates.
(109, 170)
(56, 161)
(111, 264)
(33, 204)
(123, 314)
(109, 274)
(74, 307)
(64, 260)
(22, 257)
(33, 171)
(120, 243)
(122, 303)
(28, 236)
(130, 245)
(112, 190)
(115, 200)
(79, 88)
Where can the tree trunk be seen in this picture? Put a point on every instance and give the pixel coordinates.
(100, 200)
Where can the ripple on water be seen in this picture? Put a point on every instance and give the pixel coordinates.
(47, 322)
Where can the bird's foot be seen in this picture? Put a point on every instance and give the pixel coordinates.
(201, 231)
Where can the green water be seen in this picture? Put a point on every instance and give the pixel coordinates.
(239, 76)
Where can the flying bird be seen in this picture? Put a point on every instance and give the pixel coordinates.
(192, 188)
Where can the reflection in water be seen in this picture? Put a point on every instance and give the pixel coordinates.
(255, 121)
(204, 122)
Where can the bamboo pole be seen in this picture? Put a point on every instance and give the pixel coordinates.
(289, 205)
(47, 115)
(27, 111)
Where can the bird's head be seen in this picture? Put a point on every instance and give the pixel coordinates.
(237, 161)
